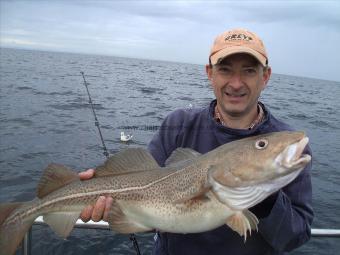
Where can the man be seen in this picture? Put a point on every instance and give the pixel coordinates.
(238, 71)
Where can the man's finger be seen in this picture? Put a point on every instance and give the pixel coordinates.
(98, 209)
(86, 213)
(88, 174)
(108, 205)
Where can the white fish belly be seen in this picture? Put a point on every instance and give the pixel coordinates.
(178, 218)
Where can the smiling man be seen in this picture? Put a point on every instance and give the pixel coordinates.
(238, 72)
(237, 82)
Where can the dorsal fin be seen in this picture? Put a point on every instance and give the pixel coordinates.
(55, 176)
(181, 154)
(127, 161)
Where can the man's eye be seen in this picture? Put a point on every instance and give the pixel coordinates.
(250, 70)
(224, 69)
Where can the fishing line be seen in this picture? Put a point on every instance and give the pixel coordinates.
(105, 151)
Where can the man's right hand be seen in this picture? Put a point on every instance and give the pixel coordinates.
(98, 211)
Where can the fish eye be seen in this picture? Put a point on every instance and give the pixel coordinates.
(261, 144)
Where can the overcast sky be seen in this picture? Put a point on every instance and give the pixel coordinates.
(302, 37)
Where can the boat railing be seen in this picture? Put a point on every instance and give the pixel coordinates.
(26, 245)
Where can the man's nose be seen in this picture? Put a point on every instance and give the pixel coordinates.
(236, 81)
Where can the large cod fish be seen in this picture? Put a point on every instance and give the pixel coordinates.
(193, 193)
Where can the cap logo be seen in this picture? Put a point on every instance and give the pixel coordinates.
(238, 37)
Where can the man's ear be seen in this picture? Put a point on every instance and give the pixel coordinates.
(266, 75)
(208, 70)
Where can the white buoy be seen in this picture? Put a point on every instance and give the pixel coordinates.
(124, 137)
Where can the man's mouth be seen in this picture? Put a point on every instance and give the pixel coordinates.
(235, 94)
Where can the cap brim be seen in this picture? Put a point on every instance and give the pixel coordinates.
(218, 56)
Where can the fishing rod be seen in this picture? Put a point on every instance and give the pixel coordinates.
(106, 153)
(96, 122)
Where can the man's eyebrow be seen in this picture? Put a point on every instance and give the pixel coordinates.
(247, 65)
(250, 65)
(224, 63)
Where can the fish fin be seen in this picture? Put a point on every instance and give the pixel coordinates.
(181, 154)
(6, 209)
(253, 220)
(62, 222)
(127, 161)
(12, 235)
(54, 177)
(120, 223)
(200, 194)
(242, 222)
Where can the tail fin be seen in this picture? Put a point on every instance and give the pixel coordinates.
(11, 234)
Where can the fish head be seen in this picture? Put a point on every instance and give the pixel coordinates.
(260, 158)
(249, 170)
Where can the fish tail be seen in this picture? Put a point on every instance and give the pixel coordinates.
(11, 234)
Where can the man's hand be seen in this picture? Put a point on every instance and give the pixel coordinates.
(101, 208)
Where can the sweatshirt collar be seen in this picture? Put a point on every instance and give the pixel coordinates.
(241, 132)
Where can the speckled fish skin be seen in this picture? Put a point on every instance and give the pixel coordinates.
(187, 196)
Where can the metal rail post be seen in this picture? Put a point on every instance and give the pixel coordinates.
(27, 242)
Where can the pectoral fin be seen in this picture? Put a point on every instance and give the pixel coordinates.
(253, 220)
(242, 222)
(120, 223)
(62, 222)
(200, 194)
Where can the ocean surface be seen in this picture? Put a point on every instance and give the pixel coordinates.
(45, 117)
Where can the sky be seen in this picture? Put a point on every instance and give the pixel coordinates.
(302, 38)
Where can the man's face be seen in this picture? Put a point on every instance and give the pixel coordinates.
(237, 82)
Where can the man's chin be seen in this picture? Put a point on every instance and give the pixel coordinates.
(234, 110)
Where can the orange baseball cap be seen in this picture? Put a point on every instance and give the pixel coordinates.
(238, 41)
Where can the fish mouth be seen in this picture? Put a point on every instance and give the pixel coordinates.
(292, 157)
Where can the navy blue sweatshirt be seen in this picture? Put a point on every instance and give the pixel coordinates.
(285, 217)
